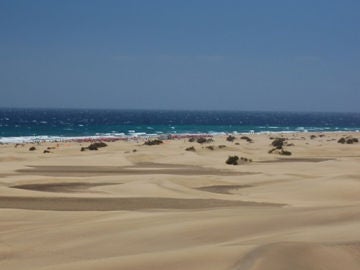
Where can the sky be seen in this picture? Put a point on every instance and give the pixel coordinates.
(184, 55)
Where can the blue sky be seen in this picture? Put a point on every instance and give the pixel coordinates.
(207, 55)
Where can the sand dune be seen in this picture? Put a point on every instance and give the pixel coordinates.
(162, 207)
(299, 256)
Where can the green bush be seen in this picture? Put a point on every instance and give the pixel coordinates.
(153, 142)
(230, 138)
(232, 160)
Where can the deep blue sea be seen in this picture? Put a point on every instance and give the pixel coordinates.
(31, 124)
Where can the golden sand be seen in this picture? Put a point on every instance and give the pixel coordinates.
(161, 207)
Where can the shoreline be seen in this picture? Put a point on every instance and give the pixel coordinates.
(143, 137)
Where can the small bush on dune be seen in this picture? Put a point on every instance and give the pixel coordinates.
(278, 143)
(94, 146)
(348, 140)
(202, 140)
(230, 138)
(244, 159)
(285, 153)
(153, 142)
(232, 160)
(192, 148)
(246, 138)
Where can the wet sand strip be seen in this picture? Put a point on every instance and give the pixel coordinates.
(62, 187)
(115, 204)
(223, 189)
(312, 160)
(114, 170)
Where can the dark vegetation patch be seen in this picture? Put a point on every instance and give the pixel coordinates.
(202, 140)
(94, 146)
(153, 142)
(348, 140)
(278, 144)
(244, 159)
(230, 138)
(232, 160)
(285, 152)
(246, 138)
(235, 160)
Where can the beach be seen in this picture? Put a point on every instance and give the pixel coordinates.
(169, 206)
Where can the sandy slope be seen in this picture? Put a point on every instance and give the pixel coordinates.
(161, 207)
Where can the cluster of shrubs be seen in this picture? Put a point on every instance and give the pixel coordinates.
(278, 144)
(201, 140)
(246, 159)
(314, 136)
(153, 142)
(94, 146)
(46, 151)
(210, 147)
(235, 160)
(348, 140)
(232, 160)
(230, 138)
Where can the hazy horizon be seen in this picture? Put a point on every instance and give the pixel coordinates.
(180, 110)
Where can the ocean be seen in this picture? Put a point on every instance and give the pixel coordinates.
(19, 125)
